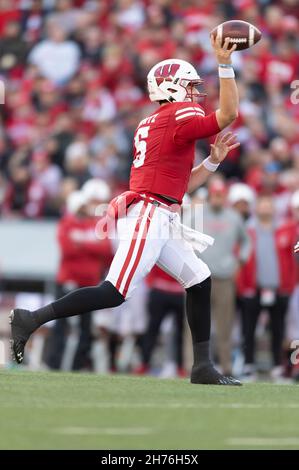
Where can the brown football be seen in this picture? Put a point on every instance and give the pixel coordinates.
(241, 33)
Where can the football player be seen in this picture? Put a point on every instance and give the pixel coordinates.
(148, 234)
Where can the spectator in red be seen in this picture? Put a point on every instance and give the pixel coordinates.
(20, 122)
(157, 40)
(8, 12)
(266, 281)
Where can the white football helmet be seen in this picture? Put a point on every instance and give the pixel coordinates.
(75, 201)
(97, 189)
(168, 80)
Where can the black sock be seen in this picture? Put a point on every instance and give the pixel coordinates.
(198, 305)
(80, 301)
(202, 355)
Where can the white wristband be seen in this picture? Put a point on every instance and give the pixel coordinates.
(209, 165)
(226, 72)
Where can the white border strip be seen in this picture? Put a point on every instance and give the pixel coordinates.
(251, 35)
(190, 108)
(188, 114)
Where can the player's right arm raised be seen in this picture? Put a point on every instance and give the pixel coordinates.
(228, 97)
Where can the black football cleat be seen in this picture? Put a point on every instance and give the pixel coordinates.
(22, 325)
(210, 376)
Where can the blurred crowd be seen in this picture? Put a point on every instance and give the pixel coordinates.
(75, 90)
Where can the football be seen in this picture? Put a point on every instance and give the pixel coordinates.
(243, 34)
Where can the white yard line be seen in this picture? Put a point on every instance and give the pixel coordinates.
(174, 405)
(86, 431)
(190, 405)
(263, 441)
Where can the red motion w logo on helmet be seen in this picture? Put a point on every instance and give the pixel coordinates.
(167, 70)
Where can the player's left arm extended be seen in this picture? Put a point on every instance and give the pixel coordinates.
(223, 144)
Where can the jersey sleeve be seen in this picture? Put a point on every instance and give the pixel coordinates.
(192, 124)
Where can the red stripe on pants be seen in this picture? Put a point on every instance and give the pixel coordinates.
(132, 246)
(140, 250)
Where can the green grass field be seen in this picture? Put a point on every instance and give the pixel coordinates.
(88, 411)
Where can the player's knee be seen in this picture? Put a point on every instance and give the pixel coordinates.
(113, 297)
(200, 286)
(199, 277)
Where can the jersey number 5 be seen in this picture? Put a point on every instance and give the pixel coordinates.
(140, 146)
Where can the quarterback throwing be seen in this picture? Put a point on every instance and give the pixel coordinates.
(162, 171)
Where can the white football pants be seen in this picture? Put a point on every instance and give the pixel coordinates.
(148, 236)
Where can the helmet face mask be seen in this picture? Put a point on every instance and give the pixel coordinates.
(192, 92)
(173, 80)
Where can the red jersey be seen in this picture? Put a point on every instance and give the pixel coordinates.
(164, 148)
(83, 258)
